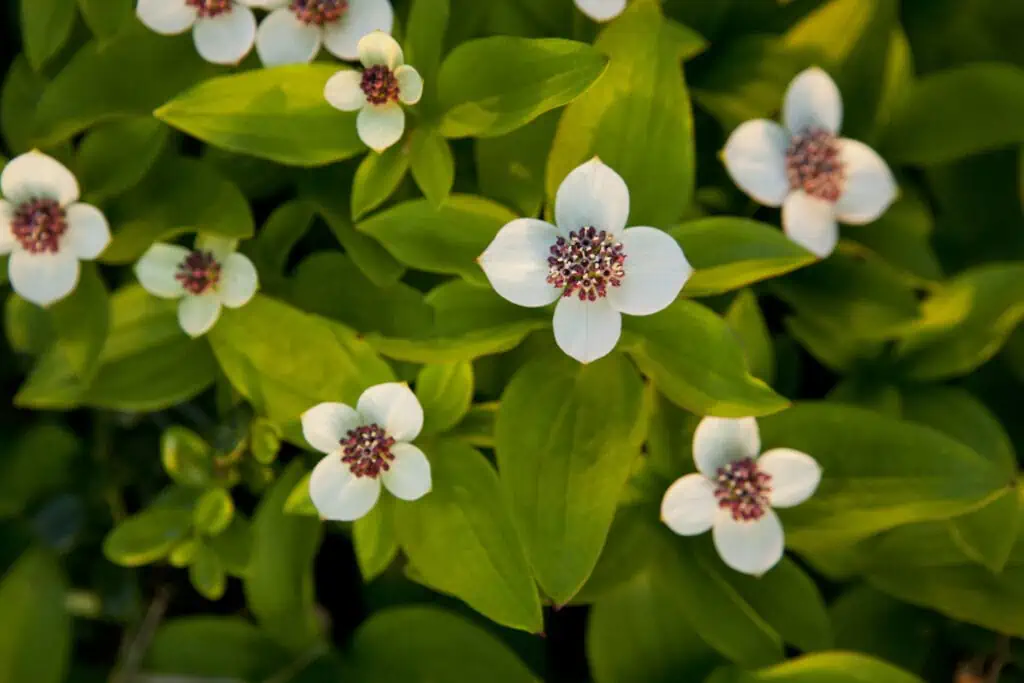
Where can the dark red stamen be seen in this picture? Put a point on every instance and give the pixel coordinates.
(199, 272)
(319, 12)
(39, 224)
(367, 451)
(814, 165)
(586, 264)
(211, 8)
(380, 85)
(742, 488)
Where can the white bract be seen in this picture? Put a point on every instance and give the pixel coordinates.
(295, 30)
(377, 91)
(734, 492)
(601, 10)
(365, 446)
(45, 229)
(223, 30)
(589, 262)
(807, 169)
(205, 278)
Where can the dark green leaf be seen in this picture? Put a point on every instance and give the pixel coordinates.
(424, 44)
(377, 178)
(37, 462)
(35, 628)
(106, 17)
(745, 318)
(873, 623)
(45, 28)
(510, 167)
(214, 646)
(115, 156)
(207, 574)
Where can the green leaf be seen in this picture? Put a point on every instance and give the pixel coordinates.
(35, 628)
(432, 163)
(148, 536)
(903, 236)
(213, 512)
(477, 427)
(187, 459)
(374, 541)
(424, 44)
(216, 647)
(45, 28)
(445, 391)
(875, 624)
(745, 318)
(377, 178)
(38, 461)
(264, 440)
(491, 86)
(510, 168)
(834, 667)
(19, 97)
(105, 18)
(207, 574)
(234, 546)
(298, 501)
(114, 157)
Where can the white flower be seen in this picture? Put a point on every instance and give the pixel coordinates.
(223, 30)
(376, 91)
(601, 10)
(45, 229)
(205, 278)
(590, 263)
(816, 176)
(295, 30)
(735, 491)
(364, 447)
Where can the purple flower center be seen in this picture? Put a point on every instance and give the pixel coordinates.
(586, 264)
(211, 8)
(814, 165)
(199, 272)
(380, 85)
(743, 489)
(367, 451)
(39, 224)
(319, 12)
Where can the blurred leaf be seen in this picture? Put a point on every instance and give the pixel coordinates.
(207, 574)
(875, 624)
(214, 646)
(446, 391)
(149, 535)
(510, 167)
(264, 440)
(374, 541)
(424, 44)
(213, 512)
(234, 546)
(830, 667)
(186, 457)
(114, 157)
(19, 96)
(377, 178)
(29, 328)
(38, 461)
(35, 629)
(106, 17)
(745, 318)
(432, 164)
(45, 28)
(298, 501)
(903, 236)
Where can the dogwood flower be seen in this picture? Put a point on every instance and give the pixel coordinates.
(204, 278)
(595, 267)
(295, 30)
(601, 10)
(223, 30)
(364, 447)
(735, 492)
(376, 91)
(816, 176)
(45, 229)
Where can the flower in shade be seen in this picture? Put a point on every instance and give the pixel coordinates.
(45, 229)
(735, 491)
(601, 10)
(295, 30)
(364, 447)
(223, 30)
(377, 91)
(817, 177)
(205, 278)
(595, 267)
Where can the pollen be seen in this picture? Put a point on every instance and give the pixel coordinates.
(742, 489)
(814, 164)
(586, 264)
(319, 12)
(211, 8)
(367, 451)
(39, 224)
(199, 272)
(380, 85)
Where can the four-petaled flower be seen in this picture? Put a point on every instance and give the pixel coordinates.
(204, 278)
(45, 229)
(223, 30)
(601, 10)
(295, 30)
(377, 91)
(816, 176)
(593, 265)
(735, 492)
(364, 447)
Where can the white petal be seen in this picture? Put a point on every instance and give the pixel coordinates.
(378, 48)
(812, 101)
(326, 425)
(719, 441)
(167, 17)
(362, 17)
(592, 195)
(656, 271)
(381, 127)
(7, 241)
(409, 476)
(197, 314)
(516, 262)
(343, 91)
(795, 476)
(601, 10)
(36, 175)
(689, 505)
(43, 278)
(88, 231)
(749, 547)
(810, 222)
(338, 494)
(238, 281)
(394, 407)
(226, 38)
(157, 268)
(410, 84)
(869, 187)
(586, 330)
(755, 157)
(283, 39)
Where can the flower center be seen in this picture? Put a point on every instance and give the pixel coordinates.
(211, 8)
(199, 272)
(367, 451)
(380, 85)
(743, 489)
(813, 164)
(39, 224)
(319, 12)
(586, 264)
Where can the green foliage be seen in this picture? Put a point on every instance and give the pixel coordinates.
(35, 629)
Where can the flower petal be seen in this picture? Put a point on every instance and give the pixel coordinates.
(869, 187)
(810, 222)
(394, 407)
(36, 175)
(45, 277)
(381, 127)
(157, 268)
(749, 547)
(812, 101)
(601, 10)
(8, 243)
(326, 425)
(516, 262)
(166, 17)
(88, 231)
(656, 271)
(377, 48)
(719, 441)
(795, 476)
(592, 195)
(338, 494)
(226, 38)
(689, 505)
(343, 91)
(283, 39)
(197, 314)
(238, 281)
(755, 157)
(341, 38)
(409, 476)
(586, 330)
(410, 84)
